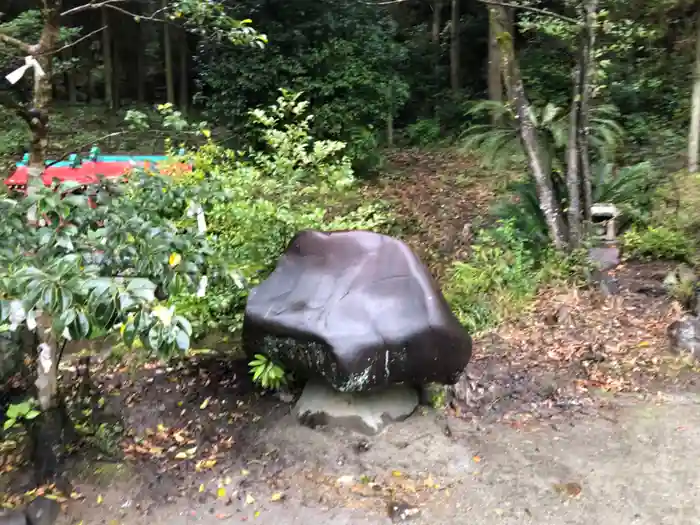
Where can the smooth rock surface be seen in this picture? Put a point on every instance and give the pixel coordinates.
(357, 309)
(42, 511)
(684, 336)
(364, 412)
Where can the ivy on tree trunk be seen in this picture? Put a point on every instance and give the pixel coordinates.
(515, 88)
(591, 15)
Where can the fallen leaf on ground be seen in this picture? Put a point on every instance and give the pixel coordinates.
(571, 489)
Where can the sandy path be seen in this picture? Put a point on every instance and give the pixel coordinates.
(633, 463)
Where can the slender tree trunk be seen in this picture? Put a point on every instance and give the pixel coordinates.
(69, 77)
(89, 74)
(116, 77)
(38, 118)
(455, 27)
(435, 31)
(107, 60)
(167, 50)
(495, 83)
(516, 90)
(435, 39)
(184, 73)
(586, 95)
(47, 367)
(694, 132)
(140, 61)
(573, 178)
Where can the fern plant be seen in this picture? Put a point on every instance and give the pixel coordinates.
(630, 189)
(267, 373)
(500, 146)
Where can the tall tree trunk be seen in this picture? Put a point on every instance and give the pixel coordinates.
(516, 90)
(89, 68)
(435, 31)
(455, 27)
(167, 50)
(495, 84)
(435, 39)
(694, 132)
(69, 77)
(573, 178)
(107, 59)
(141, 63)
(184, 73)
(116, 77)
(586, 95)
(38, 117)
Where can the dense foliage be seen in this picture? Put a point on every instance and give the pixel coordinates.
(342, 54)
(73, 269)
(289, 182)
(372, 74)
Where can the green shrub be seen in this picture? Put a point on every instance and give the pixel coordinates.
(263, 197)
(501, 277)
(657, 242)
(633, 189)
(344, 56)
(424, 132)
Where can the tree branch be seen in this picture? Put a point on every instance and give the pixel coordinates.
(537, 10)
(75, 42)
(15, 42)
(111, 4)
(386, 2)
(149, 18)
(92, 4)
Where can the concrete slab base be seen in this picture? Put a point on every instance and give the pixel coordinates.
(367, 412)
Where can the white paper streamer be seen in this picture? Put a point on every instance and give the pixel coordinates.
(29, 63)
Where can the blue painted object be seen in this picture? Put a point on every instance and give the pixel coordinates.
(94, 153)
(74, 160)
(138, 159)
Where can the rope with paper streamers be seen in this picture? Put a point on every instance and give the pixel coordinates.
(29, 63)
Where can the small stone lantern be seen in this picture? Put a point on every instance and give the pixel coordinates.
(603, 217)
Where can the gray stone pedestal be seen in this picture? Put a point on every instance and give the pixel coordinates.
(367, 412)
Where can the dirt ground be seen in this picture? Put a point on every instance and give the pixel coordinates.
(627, 463)
(577, 413)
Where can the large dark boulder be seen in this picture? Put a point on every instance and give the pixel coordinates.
(357, 309)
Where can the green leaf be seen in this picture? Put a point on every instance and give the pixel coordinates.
(83, 325)
(155, 337)
(99, 286)
(9, 423)
(67, 318)
(126, 301)
(32, 414)
(142, 288)
(129, 334)
(182, 339)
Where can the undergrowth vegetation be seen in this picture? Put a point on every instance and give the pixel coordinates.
(263, 197)
(503, 275)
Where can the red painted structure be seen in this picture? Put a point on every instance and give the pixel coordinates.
(85, 174)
